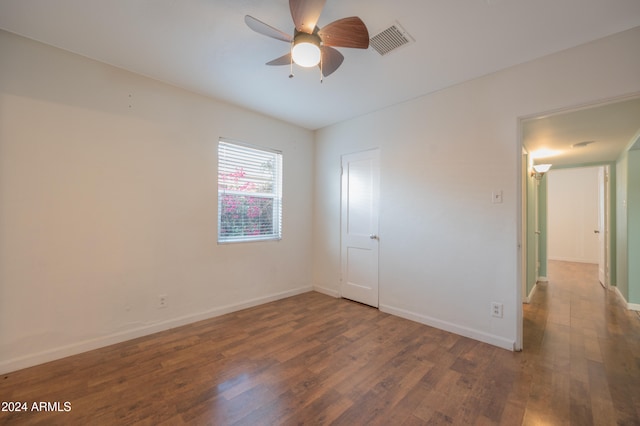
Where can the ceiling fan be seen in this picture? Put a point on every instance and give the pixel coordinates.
(310, 45)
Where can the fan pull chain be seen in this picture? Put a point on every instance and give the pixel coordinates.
(321, 75)
(291, 62)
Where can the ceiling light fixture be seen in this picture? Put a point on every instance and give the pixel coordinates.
(582, 144)
(306, 49)
(539, 170)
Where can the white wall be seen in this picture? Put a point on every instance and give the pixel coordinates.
(108, 199)
(447, 252)
(572, 213)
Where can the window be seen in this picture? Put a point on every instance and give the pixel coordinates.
(249, 193)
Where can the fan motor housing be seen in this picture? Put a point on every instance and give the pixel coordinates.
(302, 37)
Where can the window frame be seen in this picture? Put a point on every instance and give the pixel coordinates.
(276, 195)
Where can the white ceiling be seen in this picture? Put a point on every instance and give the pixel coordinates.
(204, 45)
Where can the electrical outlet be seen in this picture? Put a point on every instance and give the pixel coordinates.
(496, 309)
(162, 301)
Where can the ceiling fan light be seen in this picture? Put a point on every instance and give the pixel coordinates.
(306, 50)
(306, 54)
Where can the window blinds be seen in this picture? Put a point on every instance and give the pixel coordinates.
(249, 193)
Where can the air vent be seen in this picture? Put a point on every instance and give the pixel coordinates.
(390, 39)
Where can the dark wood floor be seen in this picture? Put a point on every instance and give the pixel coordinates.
(313, 359)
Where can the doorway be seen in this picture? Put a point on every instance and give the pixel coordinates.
(591, 135)
(578, 217)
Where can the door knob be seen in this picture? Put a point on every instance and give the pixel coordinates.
(373, 236)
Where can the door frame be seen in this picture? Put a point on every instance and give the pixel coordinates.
(522, 231)
(604, 209)
(375, 151)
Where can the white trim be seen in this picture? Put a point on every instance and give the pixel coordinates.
(620, 295)
(527, 299)
(633, 306)
(328, 291)
(521, 221)
(630, 306)
(572, 259)
(99, 342)
(491, 339)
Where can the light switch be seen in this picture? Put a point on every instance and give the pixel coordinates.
(496, 197)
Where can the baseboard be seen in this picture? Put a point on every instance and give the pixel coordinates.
(527, 298)
(574, 260)
(328, 291)
(100, 342)
(471, 333)
(630, 306)
(624, 301)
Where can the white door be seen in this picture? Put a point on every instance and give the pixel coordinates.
(359, 222)
(601, 230)
(536, 209)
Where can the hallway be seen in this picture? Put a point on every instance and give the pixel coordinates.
(581, 351)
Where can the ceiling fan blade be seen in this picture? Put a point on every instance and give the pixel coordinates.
(346, 32)
(282, 60)
(265, 29)
(331, 60)
(305, 14)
